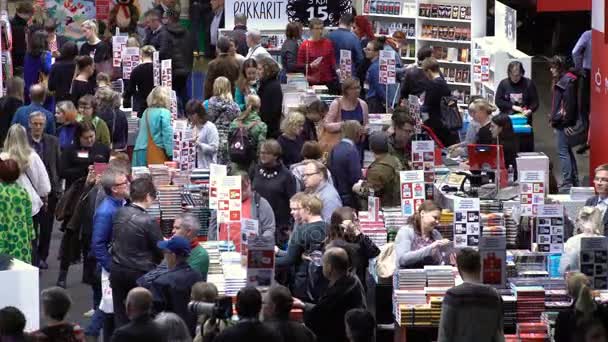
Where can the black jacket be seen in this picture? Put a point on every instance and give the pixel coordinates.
(207, 19)
(522, 93)
(271, 99)
(289, 56)
(18, 26)
(8, 107)
(436, 91)
(276, 190)
(101, 51)
(134, 239)
(171, 292)
(326, 318)
(360, 249)
(119, 127)
(291, 331)
(51, 159)
(414, 82)
(60, 80)
(139, 87)
(161, 40)
(239, 33)
(141, 329)
(567, 329)
(250, 330)
(564, 106)
(181, 50)
(75, 165)
(592, 201)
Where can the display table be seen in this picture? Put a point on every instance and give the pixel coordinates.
(20, 288)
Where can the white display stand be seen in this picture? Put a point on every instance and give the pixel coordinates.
(408, 12)
(502, 50)
(20, 288)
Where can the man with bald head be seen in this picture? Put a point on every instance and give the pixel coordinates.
(142, 327)
(37, 96)
(344, 292)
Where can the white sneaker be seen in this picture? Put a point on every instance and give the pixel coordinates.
(89, 313)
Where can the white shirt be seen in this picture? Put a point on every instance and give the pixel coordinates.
(34, 179)
(207, 143)
(257, 52)
(215, 26)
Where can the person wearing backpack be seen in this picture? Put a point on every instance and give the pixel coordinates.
(246, 133)
(382, 174)
(563, 118)
(435, 94)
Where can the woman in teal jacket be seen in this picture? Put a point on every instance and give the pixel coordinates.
(158, 117)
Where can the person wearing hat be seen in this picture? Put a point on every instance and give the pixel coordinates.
(171, 290)
(382, 174)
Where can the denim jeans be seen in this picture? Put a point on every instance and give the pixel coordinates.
(567, 160)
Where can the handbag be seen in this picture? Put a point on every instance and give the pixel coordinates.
(154, 154)
(327, 139)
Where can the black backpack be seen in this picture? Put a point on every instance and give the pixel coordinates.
(242, 145)
(450, 114)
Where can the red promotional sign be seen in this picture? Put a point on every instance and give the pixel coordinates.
(562, 5)
(102, 8)
(599, 101)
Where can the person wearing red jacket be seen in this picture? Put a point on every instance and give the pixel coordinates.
(317, 58)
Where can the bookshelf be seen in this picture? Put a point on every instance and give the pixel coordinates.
(449, 27)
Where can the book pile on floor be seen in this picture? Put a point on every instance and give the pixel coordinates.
(530, 303)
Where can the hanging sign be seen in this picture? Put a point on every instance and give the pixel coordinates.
(118, 44)
(388, 71)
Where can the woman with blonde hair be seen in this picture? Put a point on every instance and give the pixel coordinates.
(291, 140)
(586, 320)
(93, 46)
(33, 176)
(154, 143)
(141, 83)
(66, 115)
(249, 121)
(588, 223)
(222, 110)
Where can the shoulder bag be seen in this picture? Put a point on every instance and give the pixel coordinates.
(154, 154)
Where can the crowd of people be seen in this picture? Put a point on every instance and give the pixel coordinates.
(65, 157)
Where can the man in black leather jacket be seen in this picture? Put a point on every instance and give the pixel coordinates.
(134, 250)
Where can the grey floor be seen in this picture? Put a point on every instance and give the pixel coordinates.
(544, 141)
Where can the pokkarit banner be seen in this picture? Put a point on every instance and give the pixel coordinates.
(275, 14)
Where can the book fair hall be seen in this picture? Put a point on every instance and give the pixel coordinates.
(303, 171)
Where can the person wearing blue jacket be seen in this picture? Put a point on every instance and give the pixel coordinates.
(116, 186)
(344, 39)
(345, 163)
(376, 94)
(155, 125)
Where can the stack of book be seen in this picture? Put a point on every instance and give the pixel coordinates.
(439, 276)
(411, 279)
(493, 224)
(530, 303)
(532, 332)
(138, 171)
(235, 275)
(557, 300)
(509, 310)
(511, 229)
(160, 174)
(170, 200)
(446, 224)
(375, 230)
(393, 218)
(436, 303)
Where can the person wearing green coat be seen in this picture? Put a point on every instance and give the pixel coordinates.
(252, 121)
(87, 105)
(158, 118)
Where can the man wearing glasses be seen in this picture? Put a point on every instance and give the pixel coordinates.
(315, 183)
(601, 199)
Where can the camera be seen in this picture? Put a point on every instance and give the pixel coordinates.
(221, 309)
